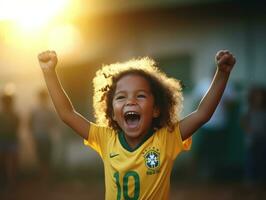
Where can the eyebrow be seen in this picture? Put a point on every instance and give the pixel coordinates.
(123, 91)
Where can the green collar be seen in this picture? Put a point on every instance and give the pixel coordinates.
(123, 141)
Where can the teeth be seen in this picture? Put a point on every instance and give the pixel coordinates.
(131, 113)
(131, 117)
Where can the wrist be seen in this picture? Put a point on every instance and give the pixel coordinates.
(48, 70)
(222, 75)
(224, 72)
(49, 73)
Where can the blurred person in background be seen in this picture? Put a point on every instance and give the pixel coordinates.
(9, 123)
(42, 125)
(254, 124)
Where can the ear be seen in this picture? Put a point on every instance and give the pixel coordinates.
(156, 112)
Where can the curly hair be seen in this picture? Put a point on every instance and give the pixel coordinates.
(167, 92)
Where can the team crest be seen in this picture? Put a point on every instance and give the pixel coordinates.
(152, 160)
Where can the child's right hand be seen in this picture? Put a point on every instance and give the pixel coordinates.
(47, 60)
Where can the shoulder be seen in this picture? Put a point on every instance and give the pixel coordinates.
(169, 132)
(99, 137)
(171, 141)
(100, 130)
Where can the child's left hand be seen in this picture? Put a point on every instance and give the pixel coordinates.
(225, 61)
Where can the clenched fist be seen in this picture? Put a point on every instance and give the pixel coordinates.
(225, 61)
(47, 60)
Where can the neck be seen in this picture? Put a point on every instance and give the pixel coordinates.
(131, 143)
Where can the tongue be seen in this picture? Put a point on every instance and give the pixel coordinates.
(132, 123)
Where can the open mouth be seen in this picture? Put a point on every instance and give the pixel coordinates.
(132, 119)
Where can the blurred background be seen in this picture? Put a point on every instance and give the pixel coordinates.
(42, 158)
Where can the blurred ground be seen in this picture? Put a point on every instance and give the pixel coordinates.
(30, 189)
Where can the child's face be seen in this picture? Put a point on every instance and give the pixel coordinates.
(133, 107)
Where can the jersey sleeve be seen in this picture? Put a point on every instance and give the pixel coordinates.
(98, 138)
(179, 144)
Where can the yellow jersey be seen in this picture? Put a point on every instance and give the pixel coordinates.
(140, 173)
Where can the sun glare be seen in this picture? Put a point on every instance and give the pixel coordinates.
(64, 38)
(31, 14)
(32, 25)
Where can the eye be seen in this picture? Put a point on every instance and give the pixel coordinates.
(119, 97)
(141, 96)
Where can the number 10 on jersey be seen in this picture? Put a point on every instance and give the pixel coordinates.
(124, 190)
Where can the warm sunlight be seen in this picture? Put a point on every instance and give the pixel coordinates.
(33, 25)
(31, 14)
(64, 39)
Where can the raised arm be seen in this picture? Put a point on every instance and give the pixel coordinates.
(225, 62)
(62, 103)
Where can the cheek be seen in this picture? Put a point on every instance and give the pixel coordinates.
(116, 111)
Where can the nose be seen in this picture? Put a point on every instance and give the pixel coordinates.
(131, 101)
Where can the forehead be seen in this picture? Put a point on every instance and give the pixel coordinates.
(131, 82)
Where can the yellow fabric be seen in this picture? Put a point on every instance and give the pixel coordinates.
(143, 173)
